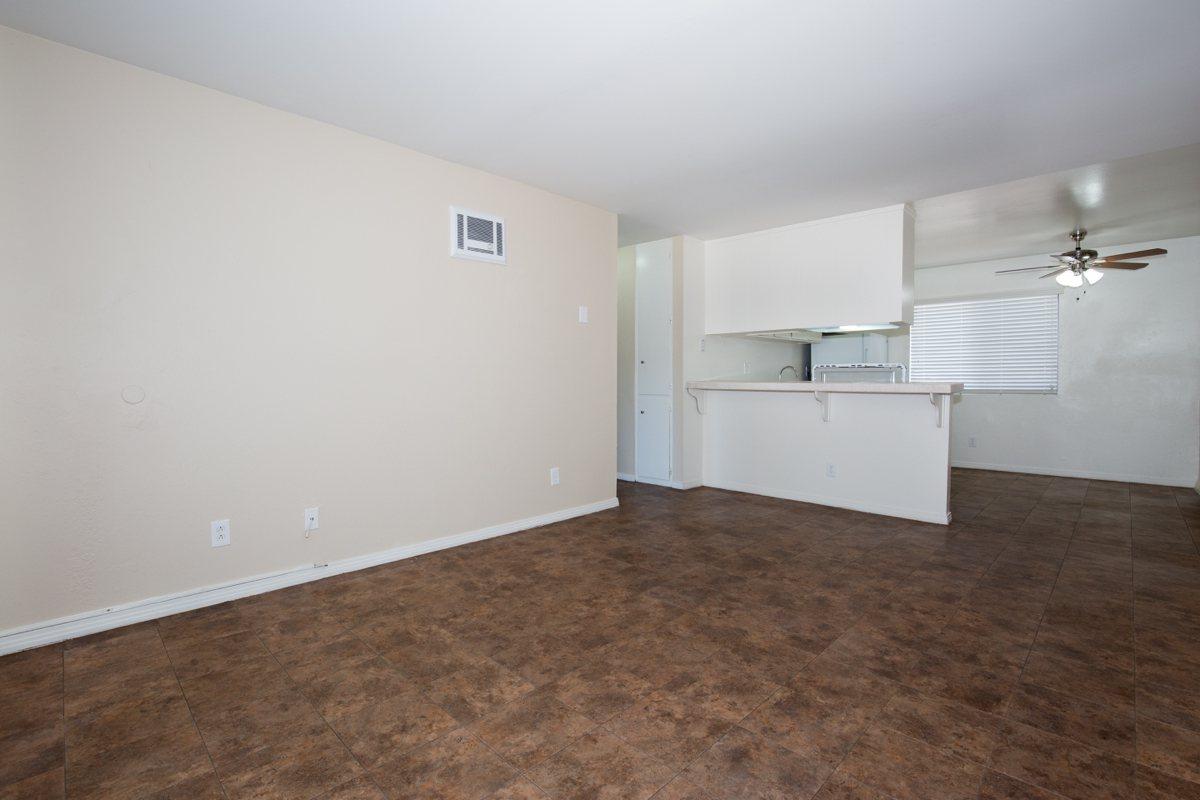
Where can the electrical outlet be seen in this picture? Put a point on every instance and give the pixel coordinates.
(583, 317)
(701, 344)
(312, 518)
(971, 442)
(745, 367)
(554, 476)
(220, 532)
(831, 470)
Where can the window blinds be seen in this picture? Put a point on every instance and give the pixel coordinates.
(1005, 344)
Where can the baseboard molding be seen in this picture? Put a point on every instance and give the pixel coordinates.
(667, 484)
(1076, 473)
(936, 517)
(625, 476)
(43, 633)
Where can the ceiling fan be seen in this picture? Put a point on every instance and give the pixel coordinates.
(1076, 266)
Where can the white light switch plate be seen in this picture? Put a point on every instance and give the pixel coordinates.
(220, 532)
(554, 476)
(312, 518)
(583, 315)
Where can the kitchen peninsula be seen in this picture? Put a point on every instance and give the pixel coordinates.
(877, 447)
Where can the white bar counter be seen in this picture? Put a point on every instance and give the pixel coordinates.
(877, 447)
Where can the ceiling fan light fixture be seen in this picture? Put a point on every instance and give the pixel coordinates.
(1069, 279)
(1093, 276)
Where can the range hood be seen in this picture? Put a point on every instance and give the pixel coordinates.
(797, 335)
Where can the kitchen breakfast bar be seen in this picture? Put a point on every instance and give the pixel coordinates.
(883, 448)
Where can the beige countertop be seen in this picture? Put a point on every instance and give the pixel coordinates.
(844, 387)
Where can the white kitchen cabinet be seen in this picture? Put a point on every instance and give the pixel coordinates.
(855, 269)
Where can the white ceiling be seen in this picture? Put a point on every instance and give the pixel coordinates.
(707, 117)
(1138, 199)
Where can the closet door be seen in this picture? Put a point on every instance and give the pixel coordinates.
(654, 311)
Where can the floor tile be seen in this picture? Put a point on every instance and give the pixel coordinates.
(302, 767)
(1061, 765)
(601, 765)
(32, 752)
(456, 767)
(745, 764)
(1100, 726)
(48, 785)
(671, 727)
(354, 688)
(531, 729)
(598, 691)
(959, 729)
(1169, 749)
(140, 768)
(391, 726)
(908, 769)
(476, 689)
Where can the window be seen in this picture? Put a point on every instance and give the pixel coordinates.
(1007, 344)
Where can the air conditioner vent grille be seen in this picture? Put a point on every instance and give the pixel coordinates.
(476, 236)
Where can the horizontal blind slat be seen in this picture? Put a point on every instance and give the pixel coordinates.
(1001, 344)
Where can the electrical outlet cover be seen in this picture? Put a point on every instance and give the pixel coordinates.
(312, 518)
(220, 532)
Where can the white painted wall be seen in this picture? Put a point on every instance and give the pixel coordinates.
(723, 356)
(1128, 405)
(282, 291)
(888, 453)
(852, 269)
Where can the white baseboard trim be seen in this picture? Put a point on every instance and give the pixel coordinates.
(625, 476)
(57, 630)
(1076, 473)
(936, 517)
(668, 484)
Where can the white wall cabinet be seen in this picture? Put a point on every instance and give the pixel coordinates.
(850, 270)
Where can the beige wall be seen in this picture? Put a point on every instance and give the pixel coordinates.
(281, 290)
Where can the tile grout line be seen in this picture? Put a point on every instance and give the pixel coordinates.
(987, 765)
(191, 714)
(317, 711)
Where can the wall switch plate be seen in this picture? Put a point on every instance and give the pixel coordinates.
(745, 367)
(220, 532)
(971, 442)
(831, 470)
(554, 476)
(583, 315)
(312, 518)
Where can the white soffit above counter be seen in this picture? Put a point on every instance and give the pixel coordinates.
(850, 269)
(699, 116)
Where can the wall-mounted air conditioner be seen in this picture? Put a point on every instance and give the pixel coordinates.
(476, 236)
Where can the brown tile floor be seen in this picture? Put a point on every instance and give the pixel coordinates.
(684, 646)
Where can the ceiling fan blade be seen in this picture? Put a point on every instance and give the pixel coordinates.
(1024, 269)
(1154, 251)
(1122, 265)
(1066, 258)
(1052, 274)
